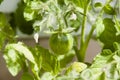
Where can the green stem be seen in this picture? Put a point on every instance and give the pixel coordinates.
(66, 24)
(82, 50)
(83, 26)
(90, 35)
(84, 43)
(82, 40)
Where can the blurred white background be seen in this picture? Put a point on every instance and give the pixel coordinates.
(8, 6)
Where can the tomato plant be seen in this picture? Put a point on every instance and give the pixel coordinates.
(66, 21)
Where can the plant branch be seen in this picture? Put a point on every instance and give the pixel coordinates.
(82, 39)
(89, 36)
(84, 43)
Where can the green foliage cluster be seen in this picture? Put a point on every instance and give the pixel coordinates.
(64, 18)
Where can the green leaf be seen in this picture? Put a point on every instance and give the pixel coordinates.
(66, 59)
(29, 14)
(102, 59)
(74, 19)
(102, 76)
(107, 35)
(48, 14)
(49, 61)
(23, 50)
(77, 66)
(104, 67)
(33, 10)
(20, 22)
(27, 76)
(6, 32)
(99, 26)
(116, 46)
(12, 60)
(71, 75)
(117, 25)
(109, 10)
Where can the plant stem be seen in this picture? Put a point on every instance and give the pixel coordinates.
(83, 42)
(90, 34)
(82, 50)
(83, 26)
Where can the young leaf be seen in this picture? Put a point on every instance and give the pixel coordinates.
(21, 49)
(74, 19)
(108, 9)
(12, 60)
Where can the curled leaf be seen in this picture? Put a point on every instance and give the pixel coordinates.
(21, 49)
